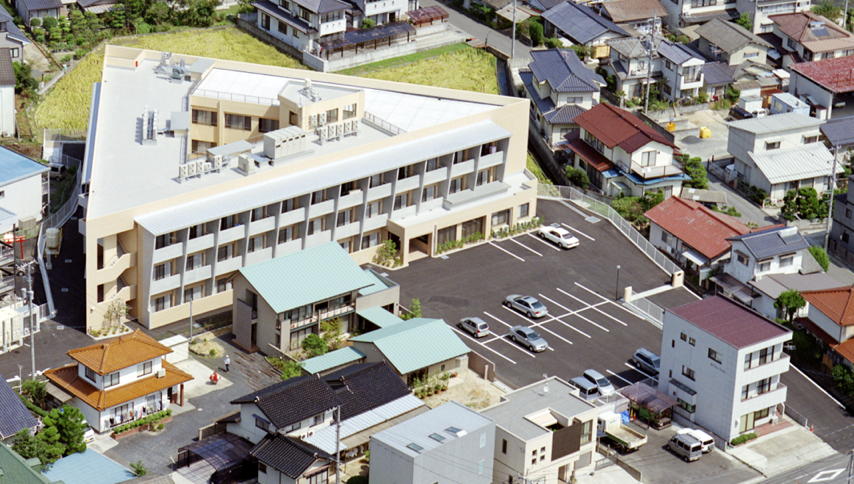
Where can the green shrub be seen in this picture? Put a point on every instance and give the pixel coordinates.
(138, 468)
(820, 256)
(35, 22)
(693, 167)
(536, 32)
(743, 438)
(314, 345)
(368, 23)
(577, 177)
(553, 43)
(388, 255)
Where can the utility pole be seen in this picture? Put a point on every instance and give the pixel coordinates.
(338, 444)
(850, 464)
(191, 318)
(617, 288)
(845, 16)
(650, 48)
(513, 39)
(832, 188)
(28, 295)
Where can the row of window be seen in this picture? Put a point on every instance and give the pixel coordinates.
(759, 388)
(765, 265)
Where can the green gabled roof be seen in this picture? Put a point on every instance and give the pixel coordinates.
(379, 316)
(17, 470)
(307, 276)
(333, 359)
(415, 344)
(377, 286)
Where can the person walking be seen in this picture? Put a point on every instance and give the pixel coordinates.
(227, 362)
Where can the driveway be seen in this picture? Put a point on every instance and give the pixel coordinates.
(750, 213)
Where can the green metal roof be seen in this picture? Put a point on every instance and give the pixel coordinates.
(17, 470)
(377, 286)
(333, 359)
(307, 276)
(415, 344)
(379, 316)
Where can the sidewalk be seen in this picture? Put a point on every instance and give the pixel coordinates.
(613, 474)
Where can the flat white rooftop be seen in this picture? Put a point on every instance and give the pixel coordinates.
(126, 173)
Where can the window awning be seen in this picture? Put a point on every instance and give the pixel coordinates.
(58, 393)
(695, 257)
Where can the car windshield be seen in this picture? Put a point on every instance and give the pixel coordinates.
(656, 362)
(533, 335)
(481, 325)
(537, 305)
(603, 382)
(568, 236)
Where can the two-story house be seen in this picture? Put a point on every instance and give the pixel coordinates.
(722, 41)
(759, 11)
(831, 321)
(806, 36)
(581, 25)
(681, 70)
(292, 424)
(841, 240)
(682, 13)
(380, 12)
(631, 63)
(779, 153)
(303, 24)
(560, 87)
(11, 37)
(544, 432)
(120, 380)
(622, 154)
(638, 17)
(723, 363)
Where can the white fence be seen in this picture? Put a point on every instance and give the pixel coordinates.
(647, 310)
(602, 208)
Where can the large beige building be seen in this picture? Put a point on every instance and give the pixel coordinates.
(197, 167)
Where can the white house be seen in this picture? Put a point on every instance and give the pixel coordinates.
(777, 250)
(681, 69)
(806, 36)
(302, 24)
(723, 364)
(24, 188)
(630, 63)
(767, 289)
(831, 321)
(759, 11)
(120, 380)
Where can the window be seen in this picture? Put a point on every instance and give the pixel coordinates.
(165, 240)
(228, 222)
(810, 139)
(199, 259)
(750, 55)
(111, 380)
(692, 341)
(480, 464)
(266, 125)
(763, 356)
(144, 369)
(332, 116)
(291, 232)
(223, 284)
(504, 446)
(688, 407)
(714, 356)
(745, 391)
(293, 119)
(208, 118)
(348, 111)
(90, 374)
(687, 372)
(683, 336)
(197, 231)
(318, 419)
(845, 237)
(648, 158)
(265, 21)
(160, 271)
(262, 468)
(586, 432)
(593, 142)
(763, 386)
(201, 146)
(237, 121)
(524, 210)
(772, 145)
(282, 28)
(262, 424)
(330, 17)
(321, 477)
(741, 258)
(162, 302)
(291, 428)
(761, 413)
(765, 266)
(847, 210)
(15, 53)
(787, 260)
(501, 218)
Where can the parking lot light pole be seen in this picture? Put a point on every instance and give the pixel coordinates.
(617, 288)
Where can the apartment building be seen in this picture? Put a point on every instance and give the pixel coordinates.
(760, 11)
(723, 364)
(197, 167)
(841, 240)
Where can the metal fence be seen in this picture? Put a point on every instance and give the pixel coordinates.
(602, 207)
(647, 309)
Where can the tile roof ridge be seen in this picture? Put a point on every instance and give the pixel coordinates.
(723, 218)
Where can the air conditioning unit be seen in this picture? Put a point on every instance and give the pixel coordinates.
(161, 373)
(183, 171)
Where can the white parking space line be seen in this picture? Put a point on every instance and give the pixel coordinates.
(605, 299)
(525, 247)
(641, 371)
(618, 376)
(548, 244)
(500, 321)
(540, 325)
(571, 312)
(593, 307)
(580, 232)
(483, 345)
(502, 249)
(569, 326)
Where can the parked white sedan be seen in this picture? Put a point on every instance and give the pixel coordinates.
(558, 236)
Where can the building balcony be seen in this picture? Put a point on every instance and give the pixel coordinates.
(228, 265)
(655, 171)
(167, 253)
(768, 369)
(165, 284)
(490, 160)
(347, 230)
(7, 255)
(351, 199)
(462, 168)
(406, 184)
(321, 208)
(230, 235)
(263, 225)
(200, 243)
(292, 217)
(320, 316)
(435, 176)
(764, 400)
(197, 274)
(126, 292)
(381, 191)
(259, 255)
(375, 222)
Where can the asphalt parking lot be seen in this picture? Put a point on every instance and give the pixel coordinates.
(585, 327)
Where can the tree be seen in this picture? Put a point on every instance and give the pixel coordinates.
(820, 256)
(70, 425)
(744, 21)
(45, 446)
(788, 302)
(651, 199)
(844, 378)
(34, 390)
(116, 310)
(536, 32)
(693, 167)
(803, 203)
(314, 345)
(331, 331)
(415, 310)
(157, 13)
(25, 83)
(828, 9)
(577, 177)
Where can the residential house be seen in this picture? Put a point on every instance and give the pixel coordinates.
(622, 154)
(450, 443)
(682, 13)
(827, 85)
(303, 24)
(544, 432)
(417, 349)
(831, 321)
(273, 316)
(841, 240)
(681, 70)
(717, 76)
(722, 41)
(7, 92)
(11, 37)
(723, 363)
(631, 64)
(767, 289)
(780, 152)
(581, 25)
(291, 429)
(120, 380)
(289, 158)
(30, 9)
(805, 36)
(560, 88)
(14, 416)
(696, 236)
(99, 6)
(759, 11)
(638, 17)
(783, 102)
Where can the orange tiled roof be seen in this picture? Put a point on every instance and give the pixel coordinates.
(117, 353)
(837, 304)
(846, 350)
(66, 377)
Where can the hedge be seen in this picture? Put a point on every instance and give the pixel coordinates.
(153, 418)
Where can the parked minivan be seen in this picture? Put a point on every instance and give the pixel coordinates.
(647, 361)
(605, 386)
(705, 439)
(586, 388)
(686, 447)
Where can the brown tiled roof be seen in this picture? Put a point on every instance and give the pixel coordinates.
(837, 304)
(703, 229)
(588, 154)
(117, 353)
(846, 350)
(729, 321)
(797, 26)
(618, 127)
(66, 377)
(629, 10)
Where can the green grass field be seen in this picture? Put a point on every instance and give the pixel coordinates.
(66, 105)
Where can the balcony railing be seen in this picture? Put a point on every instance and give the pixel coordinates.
(323, 315)
(768, 361)
(778, 388)
(655, 171)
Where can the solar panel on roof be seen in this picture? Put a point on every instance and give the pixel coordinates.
(821, 32)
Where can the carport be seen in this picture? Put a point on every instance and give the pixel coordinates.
(225, 454)
(649, 404)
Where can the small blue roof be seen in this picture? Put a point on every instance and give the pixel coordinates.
(580, 23)
(774, 241)
(376, 286)
(564, 72)
(333, 359)
(379, 316)
(307, 276)
(14, 416)
(15, 166)
(88, 467)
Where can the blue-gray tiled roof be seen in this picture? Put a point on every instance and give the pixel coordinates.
(676, 52)
(580, 23)
(564, 115)
(839, 131)
(563, 71)
(14, 416)
(771, 242)
(717, 73)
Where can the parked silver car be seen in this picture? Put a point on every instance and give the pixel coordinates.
(526, 305)
(474, 326)
(529, 338)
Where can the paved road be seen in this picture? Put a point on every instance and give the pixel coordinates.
(750, 213)
(831, 470)
(480, 31)
(829, 420)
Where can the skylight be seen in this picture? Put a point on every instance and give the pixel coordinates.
(414, 447)
(437, 437)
